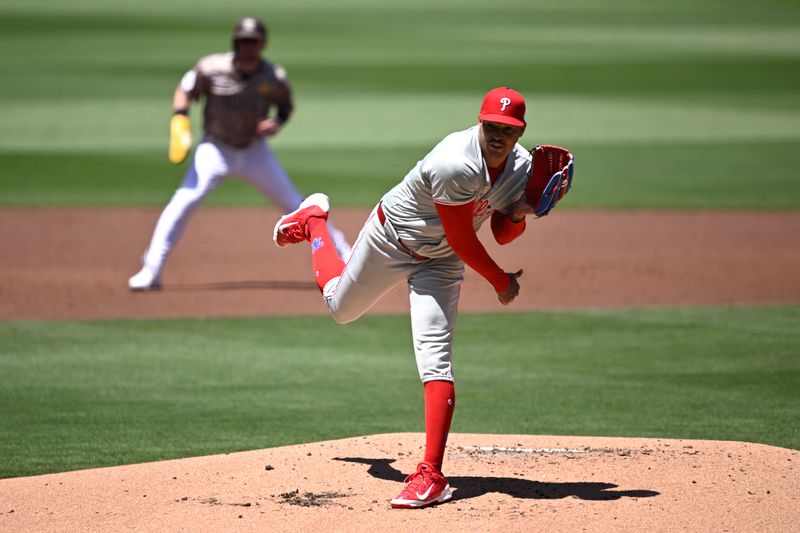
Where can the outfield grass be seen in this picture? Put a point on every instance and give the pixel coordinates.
(666, 105)
(95, 393)
(737, 180)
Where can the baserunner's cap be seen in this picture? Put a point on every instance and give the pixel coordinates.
(503, 105)
(250, 28)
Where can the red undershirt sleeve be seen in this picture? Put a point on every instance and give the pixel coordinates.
(504, 229)
(457, 224)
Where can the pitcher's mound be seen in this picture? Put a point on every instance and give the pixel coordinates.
(500, 483)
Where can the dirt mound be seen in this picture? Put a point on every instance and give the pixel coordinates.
(500, 483)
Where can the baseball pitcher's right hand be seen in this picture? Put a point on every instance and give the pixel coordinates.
(180, 138)
(507, 296)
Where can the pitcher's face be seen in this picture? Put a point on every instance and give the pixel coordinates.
(497, 140)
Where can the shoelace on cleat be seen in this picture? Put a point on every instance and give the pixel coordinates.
(294, 231)
(418, 479)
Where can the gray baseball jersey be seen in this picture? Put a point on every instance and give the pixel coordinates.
(453, 173)
(235, 103)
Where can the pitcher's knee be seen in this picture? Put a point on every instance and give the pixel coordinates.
(342, 304)
(341, 316)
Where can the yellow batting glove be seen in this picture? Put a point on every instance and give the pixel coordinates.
(180, 138)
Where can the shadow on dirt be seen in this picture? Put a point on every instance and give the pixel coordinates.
(244, 285)
(472, 486)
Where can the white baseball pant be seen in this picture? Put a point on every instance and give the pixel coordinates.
(377, 263)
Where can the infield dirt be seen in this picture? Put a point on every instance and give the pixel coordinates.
(74, 263)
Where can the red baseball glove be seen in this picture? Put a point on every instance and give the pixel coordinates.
(550, 179)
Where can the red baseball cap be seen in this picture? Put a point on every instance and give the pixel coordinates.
(503, 105)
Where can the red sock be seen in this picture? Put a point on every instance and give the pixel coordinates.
(440, 400)
(324, 257)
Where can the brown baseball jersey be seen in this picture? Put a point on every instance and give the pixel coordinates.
(236, 102)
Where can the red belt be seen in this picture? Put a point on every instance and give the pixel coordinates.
(382, 219)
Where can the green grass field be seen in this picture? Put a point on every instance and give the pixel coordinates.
(81, 394)
(682, 104)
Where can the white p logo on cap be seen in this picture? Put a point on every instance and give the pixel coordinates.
(506, 101)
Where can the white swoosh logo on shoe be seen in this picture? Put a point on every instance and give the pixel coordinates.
(425, 494)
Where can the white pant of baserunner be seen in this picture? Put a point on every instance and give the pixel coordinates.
(212, 163)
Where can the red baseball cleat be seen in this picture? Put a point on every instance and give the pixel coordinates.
(293, 228)
(426, 486)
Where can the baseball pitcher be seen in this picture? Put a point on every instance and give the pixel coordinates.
(423, 232)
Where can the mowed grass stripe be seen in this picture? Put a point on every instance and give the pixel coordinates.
(83, 394)
(398, 120)
(724, 175)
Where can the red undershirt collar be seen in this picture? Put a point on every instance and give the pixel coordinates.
(494, 172)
